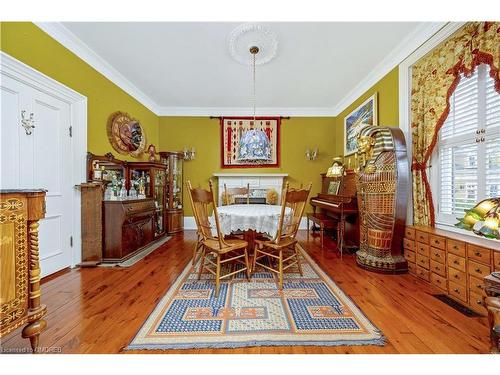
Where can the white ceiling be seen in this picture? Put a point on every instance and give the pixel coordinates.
(186, 67)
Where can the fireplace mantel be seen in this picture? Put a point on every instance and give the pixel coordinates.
(257, 181)
(265, 175)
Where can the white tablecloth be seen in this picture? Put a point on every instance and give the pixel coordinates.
(261, 218)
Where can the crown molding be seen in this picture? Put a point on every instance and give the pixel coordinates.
(404, 49)
(16, 69)
(69, 40)
(245, 111)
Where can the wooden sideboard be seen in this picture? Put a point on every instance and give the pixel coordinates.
(453, 263)
(20, 211)
(128, 227)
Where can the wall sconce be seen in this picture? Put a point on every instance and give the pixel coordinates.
(312, 154)
(189, 154)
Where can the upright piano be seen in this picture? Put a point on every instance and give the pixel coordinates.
(342, 207)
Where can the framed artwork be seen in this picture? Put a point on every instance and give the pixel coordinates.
(333, 187)
(246, 143)
(126, 134)
(365, 114)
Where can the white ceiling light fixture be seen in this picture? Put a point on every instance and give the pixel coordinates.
(248, 35)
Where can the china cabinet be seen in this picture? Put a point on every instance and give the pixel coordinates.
(154, 179)
(174, 190)
(135, 203)
(132, 180)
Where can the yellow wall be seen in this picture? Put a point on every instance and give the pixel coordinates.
(388, 107)
(27, 43)
(296, 135)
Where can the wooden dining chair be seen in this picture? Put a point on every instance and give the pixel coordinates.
(283, 247)
(230, 192)
(232, 251)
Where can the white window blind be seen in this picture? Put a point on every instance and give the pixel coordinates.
(493, 167)
(463, 115)
(468, 151)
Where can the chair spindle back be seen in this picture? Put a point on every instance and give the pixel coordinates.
(201, 200)
(237, 191)
(296, 200)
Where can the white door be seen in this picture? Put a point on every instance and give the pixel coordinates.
(40, 160)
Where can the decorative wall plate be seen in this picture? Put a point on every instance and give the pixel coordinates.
(250, 34)
(126, 134)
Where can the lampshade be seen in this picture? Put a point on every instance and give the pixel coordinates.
(483, 219)
(254, 146)
(490, 225)
(337, 168)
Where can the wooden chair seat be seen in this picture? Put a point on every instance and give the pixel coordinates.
(233, 244)
(285, 242)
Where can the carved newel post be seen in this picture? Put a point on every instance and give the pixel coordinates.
(36, 211)
(383, 195)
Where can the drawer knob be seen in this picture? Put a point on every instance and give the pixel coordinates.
(478, 270)
(478, 254)
(479, 286)
(456, 276)
(455, 247)
(438, 281)
(456, 290)
(479, 302)
(456, 261)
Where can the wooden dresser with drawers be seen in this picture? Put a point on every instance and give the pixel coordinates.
(453, 263)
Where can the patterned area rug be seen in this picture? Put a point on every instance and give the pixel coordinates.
(311, 310)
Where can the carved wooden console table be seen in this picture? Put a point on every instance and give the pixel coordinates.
(20, 211)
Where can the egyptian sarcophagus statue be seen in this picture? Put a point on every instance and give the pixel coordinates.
(383, 195)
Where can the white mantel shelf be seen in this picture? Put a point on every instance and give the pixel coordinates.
(250, 174)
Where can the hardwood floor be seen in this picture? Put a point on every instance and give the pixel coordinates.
(99, 310)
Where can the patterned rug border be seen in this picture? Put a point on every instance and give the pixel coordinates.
(377, 341)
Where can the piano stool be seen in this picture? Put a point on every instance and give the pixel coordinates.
(323, 221)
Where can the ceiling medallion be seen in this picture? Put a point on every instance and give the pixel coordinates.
(247, 35)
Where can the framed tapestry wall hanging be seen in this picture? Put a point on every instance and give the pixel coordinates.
(365, 114)
(246, 143)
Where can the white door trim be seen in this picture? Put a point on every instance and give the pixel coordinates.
(405, 91)
(19, 71)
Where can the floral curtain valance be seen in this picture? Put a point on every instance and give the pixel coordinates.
(434, 79)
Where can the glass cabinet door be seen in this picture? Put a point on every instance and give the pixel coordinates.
(176, 164)
(140, 180)
(159, 196)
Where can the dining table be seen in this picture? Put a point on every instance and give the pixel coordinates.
(251, 219)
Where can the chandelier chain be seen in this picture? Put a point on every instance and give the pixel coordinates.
(254, 89)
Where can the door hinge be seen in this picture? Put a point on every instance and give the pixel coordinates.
(71, 241)
(70, 131)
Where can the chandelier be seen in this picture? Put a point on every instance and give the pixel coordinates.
(254, 146)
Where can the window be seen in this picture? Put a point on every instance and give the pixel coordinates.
(468, 152)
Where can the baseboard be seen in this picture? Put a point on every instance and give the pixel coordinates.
(190, 223)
